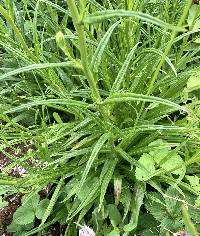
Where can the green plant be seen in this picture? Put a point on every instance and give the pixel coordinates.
(24, 216)
(104, 91)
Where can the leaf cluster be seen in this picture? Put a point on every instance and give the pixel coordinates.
(107, 93)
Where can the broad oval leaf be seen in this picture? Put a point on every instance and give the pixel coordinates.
(144, 174)
(42, 206)
(24, 215)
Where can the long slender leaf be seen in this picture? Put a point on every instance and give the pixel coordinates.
(93, 156)
(123, 70)
(138, 201)
(188, 222)
(56, 6)
(67, 102)
(96, 59)
(52, 202)
(107, 173)
(91, 195)
(37, 67)
(128, 97)
(108, 14)
(5, 13)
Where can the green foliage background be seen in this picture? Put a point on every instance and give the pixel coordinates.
(108, 94)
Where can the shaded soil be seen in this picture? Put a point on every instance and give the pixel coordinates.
(14, 200)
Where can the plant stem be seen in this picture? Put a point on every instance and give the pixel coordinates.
(88, 73)
(168, 48)
(8, 182)
(188, 223)
(81, 35)
(9, 19)
(166, 52)
(185, 40)
(127, 141)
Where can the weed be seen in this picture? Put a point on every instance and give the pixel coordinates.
(107, 92)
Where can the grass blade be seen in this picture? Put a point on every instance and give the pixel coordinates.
(55, 6)
(89, 198)
(160, 53)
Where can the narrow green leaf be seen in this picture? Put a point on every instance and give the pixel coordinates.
(57, 118)
(188, 222)
(122, 72)
(16, 52)
(92, 157)
(128, 97)
(14, 124)
(8, 182)
(139, 191)
(57, 7)
(67, 155)
(114, 215)
(5, 14)
(128, 158)
(88, 198)
(107, 173)
(52, 202)
(67, 102)
(108, 14)
(126, 199)
(96, 4)
(160, 53)
(37, 67)
(96, 59)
